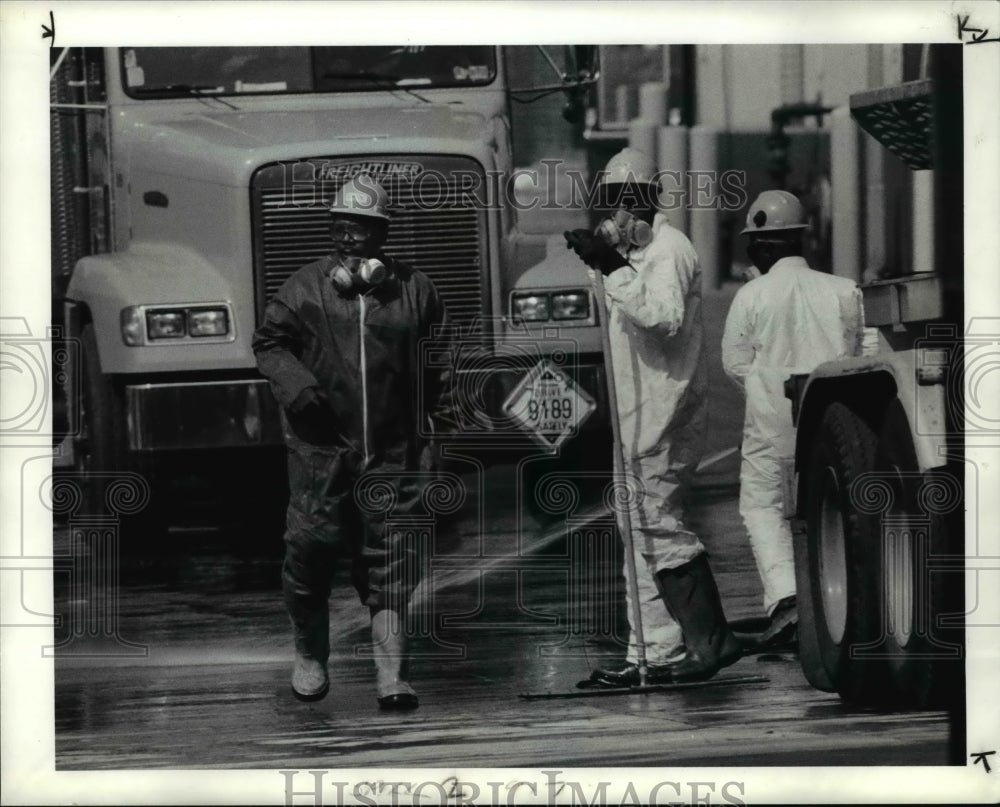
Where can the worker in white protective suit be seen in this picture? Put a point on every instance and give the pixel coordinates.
(653, 291)
(786, 321)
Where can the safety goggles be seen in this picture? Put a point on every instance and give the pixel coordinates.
(342, 229)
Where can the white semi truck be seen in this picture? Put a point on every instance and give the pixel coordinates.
(189, 183)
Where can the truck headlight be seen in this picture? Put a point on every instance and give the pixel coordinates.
(530, 307)
(131, 321)
(208, 322)
(571, 305)
(169, 324)
(541, 306)
(148, 325)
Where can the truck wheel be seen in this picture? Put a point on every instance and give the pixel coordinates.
(810, 656)
(586, 460)
(919, 666)
(100, 446)
(840, 548)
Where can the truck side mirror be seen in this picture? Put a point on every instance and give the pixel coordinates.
(588, 64)
(575, 70)
(586, 58)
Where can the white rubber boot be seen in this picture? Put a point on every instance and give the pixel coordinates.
(389, 647)
(310, 681)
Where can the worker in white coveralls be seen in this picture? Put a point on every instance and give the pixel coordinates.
(786, 321)
(653, 291)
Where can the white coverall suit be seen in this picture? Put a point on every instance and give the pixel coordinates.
(787, 321)
(656, 338)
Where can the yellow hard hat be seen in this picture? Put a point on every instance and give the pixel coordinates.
(361, 196)
(629, 166)
(775, 210)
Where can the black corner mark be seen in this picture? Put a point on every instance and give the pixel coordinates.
(50, 32)
(981, 757)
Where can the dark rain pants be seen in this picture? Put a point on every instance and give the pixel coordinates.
(338, 511)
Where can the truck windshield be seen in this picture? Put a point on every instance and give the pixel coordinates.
(180, 72)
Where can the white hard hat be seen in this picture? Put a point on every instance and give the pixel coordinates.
(775, 210)
(629, 166)
(361, 196)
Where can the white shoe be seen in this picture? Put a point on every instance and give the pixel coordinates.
(310, 681)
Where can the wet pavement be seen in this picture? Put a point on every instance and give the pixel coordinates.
(523, 594)
(515, 600)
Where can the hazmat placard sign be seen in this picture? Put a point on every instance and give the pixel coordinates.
(549, 404)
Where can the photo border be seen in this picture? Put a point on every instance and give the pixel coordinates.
(27, 746)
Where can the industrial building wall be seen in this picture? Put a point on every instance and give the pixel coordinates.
(870, 212)
(739, 85)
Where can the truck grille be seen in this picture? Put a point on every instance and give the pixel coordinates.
(444, 236)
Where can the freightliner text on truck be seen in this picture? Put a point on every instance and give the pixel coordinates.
(189, 183)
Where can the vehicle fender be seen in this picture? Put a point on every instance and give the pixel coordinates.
(867, 384)
(150, 273)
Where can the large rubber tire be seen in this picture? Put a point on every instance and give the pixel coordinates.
(586, 459)
(810, 656)
(100, 446)
(840, 550)
(923, 659)
(246, 498)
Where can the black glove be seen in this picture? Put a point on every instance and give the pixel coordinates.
(309, 396)
(594, 251)
(311, 417)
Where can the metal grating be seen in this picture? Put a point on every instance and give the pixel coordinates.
(445, 239)
(901, 119)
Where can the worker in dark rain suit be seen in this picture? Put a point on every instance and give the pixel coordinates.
(340, 344)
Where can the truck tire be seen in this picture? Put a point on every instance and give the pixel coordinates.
(810, 655)
(922, 658)
(840, 597)
(100, 446)
(587, 462)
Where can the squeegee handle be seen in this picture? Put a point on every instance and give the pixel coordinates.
(622, 513)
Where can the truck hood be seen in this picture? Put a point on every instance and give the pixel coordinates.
(226, 147)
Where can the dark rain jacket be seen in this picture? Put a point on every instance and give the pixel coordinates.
(381, 359)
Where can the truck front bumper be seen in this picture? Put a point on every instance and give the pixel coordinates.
(202, 415)
(243, 413)
(482, 391)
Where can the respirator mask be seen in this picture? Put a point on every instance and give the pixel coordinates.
(354, 273)
(624, 229)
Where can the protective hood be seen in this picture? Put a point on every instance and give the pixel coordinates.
(227, 146)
